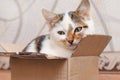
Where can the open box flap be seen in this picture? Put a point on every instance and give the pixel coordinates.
(92, 45)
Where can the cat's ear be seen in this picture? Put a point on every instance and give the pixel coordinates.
(49, 16)
(84, 9)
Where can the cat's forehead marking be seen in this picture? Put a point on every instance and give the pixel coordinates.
(77, 18)
(70, 19)
(67, 21)
(73, 18)
(70, 32)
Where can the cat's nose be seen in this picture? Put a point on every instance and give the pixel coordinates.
(70, 41)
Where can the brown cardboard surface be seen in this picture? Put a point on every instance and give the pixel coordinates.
(42, 69)
(82, 66)
(75, 68)
(92, 45)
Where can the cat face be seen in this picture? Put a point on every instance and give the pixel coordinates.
(67, 31)
(68, 28)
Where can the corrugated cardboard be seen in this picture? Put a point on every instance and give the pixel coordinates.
(92, 45)
(83, 65)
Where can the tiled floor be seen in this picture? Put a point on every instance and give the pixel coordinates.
(5, 75)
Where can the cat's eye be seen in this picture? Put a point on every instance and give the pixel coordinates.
(61, 32)
(78, 29)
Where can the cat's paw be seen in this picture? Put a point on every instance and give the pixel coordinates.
(53, 57)
(85, 35)
(4, 62)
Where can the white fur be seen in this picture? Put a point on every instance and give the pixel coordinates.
(62, 26)
(54, 46)
(65, 24)
(91, 27)
(31, 47)
(51, 48)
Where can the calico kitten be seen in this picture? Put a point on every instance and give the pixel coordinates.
(65, 32)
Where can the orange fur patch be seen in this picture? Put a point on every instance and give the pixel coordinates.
(78, 36)
(70, 34)
(77, 18)
(64, 41)
(56, 19)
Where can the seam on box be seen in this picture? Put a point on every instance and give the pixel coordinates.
(68, 69)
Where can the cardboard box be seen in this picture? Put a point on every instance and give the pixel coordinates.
(83, 65)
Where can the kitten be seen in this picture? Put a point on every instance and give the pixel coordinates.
(65, 32)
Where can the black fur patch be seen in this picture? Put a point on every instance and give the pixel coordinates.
(38, 43)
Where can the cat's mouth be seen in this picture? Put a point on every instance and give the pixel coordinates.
(72, 45)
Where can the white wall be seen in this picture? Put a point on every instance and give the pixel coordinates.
(21, 20)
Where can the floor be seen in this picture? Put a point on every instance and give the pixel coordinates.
(5, 75)
(109, 76)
